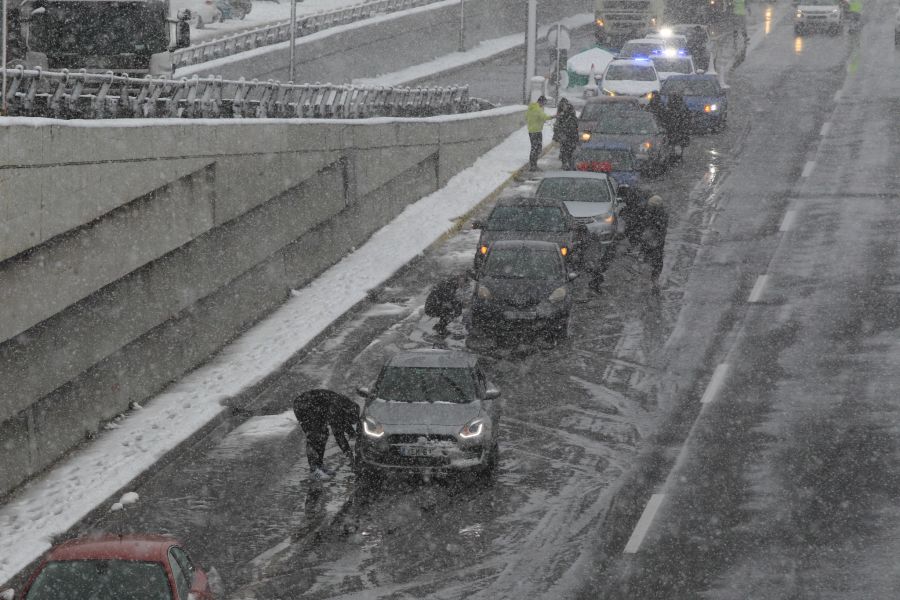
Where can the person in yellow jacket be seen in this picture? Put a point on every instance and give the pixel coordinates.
(535, 118)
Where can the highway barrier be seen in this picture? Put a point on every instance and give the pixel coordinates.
(81, 95)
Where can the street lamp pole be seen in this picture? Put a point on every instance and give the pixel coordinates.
(462, 25)
(530, 48)
(3, 63)
(293, 37)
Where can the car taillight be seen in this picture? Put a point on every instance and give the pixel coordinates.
(483, 249)
(563, 250)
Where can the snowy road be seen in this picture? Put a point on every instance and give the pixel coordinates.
(754, 399)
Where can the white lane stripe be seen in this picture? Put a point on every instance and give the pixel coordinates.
(715, 383)
(808, 168)
(758, 288)
(788, 222)
(837, 95)
(643, 524)
(825, 129)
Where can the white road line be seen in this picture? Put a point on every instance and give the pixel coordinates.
(758, 288)
(826, 127)
(715, 383)
(808, 168)
(837, 95)
(643, 524)
(788, 222)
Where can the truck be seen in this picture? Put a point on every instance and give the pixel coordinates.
(617, 21)
(133, 37)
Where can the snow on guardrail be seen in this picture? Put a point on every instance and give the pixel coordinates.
(82, 95)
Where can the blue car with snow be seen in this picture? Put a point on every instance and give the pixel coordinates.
(613, 158)
(704, 96)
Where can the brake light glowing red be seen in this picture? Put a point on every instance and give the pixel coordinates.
(596, 166)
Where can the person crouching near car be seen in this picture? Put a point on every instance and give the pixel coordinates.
(317, 410)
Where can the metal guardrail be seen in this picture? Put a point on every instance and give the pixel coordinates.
(281, 31)
(81, 95)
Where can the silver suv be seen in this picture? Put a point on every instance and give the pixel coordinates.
(430, 412)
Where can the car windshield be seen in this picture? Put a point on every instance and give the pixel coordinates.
(421, 384)
(819, 2)
(592, 111)
(630, 73)
(627, 124)
(101, 580)
(641, 49)
(673, 65)
(523, 264)
(526, 218)
(690, 87)
(619, 160)
(574, 189)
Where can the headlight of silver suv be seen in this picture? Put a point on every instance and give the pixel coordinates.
(373, 428)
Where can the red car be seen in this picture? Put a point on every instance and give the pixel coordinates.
(111, 567)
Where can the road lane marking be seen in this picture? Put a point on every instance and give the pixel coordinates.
(837, 95)
(808, 168)
(788, 222)
(758, 288)
(825, 129)
(715, 383)
(643, 524)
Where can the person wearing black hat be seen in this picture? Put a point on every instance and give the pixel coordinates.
(317, 410)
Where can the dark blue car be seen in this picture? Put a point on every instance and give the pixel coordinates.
(705, 98)
(614, 158)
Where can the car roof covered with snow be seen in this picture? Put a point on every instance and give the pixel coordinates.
(579, 174)
(433, 359)
(146, 548)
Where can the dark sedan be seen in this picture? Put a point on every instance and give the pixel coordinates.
(539, 219)
(704, 97)
(524, 286)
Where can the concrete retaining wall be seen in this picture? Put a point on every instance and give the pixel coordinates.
(367, 49)
(126, 264)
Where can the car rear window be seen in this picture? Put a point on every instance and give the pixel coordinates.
(641, 49)
(421, 384)
(571, 189)
(593, 110)
(101, 580)
(636, 123)
(507, 263)
(631, 73)
(673, 65)
(527, 218)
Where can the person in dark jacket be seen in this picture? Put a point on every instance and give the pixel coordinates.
(696, 44)
(566, 133)
(678, 121)
(656, 225)
(445, 301)
(317, 410)
(634, 213)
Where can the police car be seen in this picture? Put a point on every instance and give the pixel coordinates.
(630, 77)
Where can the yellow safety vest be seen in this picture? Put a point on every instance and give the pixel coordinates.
(740, 8)
(535, 117)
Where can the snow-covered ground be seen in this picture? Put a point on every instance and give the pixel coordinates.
(57, 500)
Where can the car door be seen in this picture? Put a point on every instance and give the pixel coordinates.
(181, 578)
(199, 584)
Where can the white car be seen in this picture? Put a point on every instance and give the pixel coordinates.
(630, 77)
(202, 11)
(819, 14)
(674, 64)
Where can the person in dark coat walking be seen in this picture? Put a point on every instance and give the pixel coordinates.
(445, 301)
(634, 213)
(678, 121)
(565, 131)
(656, 225)
(317, 410)
(696, 44)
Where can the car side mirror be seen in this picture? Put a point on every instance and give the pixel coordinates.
(38, 11)
(364, 391)
(573, 276)
(491, 393)
(8, 594)
(477, 225)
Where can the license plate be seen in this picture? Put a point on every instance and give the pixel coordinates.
(519, 315)
(414, 451)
